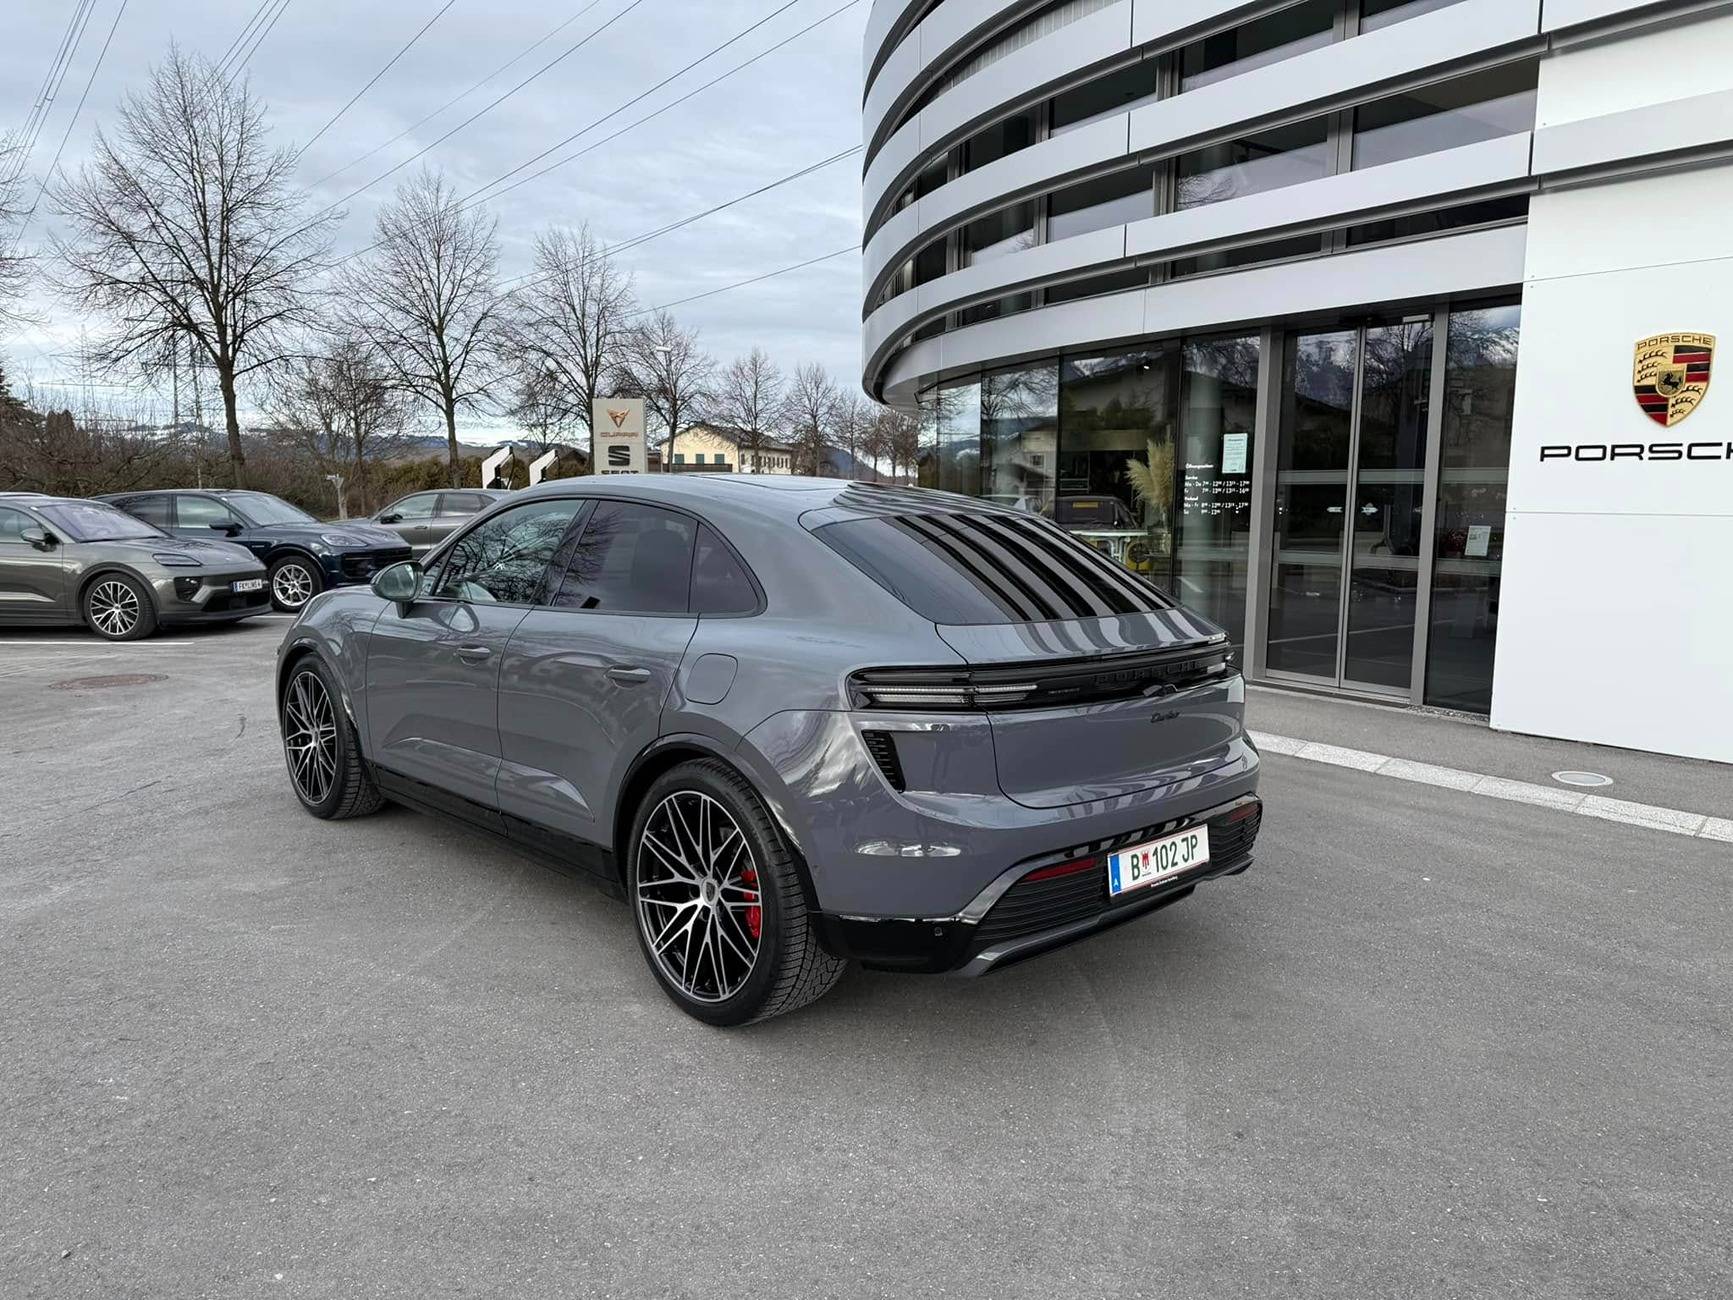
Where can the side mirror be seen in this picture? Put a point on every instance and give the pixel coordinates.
(40, 538)
(400, 584)
(229, 528)
(395, 517)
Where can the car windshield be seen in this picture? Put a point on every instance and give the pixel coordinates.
(91, 521)
(263, 508)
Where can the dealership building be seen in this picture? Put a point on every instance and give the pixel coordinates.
(1380, 331)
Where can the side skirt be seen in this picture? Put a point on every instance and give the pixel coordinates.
(566, 854)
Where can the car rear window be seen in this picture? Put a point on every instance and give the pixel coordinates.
(988, 568)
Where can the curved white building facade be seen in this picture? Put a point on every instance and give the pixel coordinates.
(1291, 306)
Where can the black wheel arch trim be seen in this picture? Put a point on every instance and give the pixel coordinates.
(668, 751)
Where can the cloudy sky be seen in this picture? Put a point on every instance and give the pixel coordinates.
(794, 107)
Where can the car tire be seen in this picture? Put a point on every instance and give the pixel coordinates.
(118, 607)
(326, 769)
(294, 580)
(728, 936)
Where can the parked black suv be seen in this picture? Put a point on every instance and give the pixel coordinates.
(304, 556)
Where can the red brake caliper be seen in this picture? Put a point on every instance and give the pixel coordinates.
(754, 913)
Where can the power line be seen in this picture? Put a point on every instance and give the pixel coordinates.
(268, 28)
(741, 284)
(247, 31)
(517, 58)
(51, 82)
(369, 86)
(67, 134)
(671, 104)
(639, 98)
(573, 49)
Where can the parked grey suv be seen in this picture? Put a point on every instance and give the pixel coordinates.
(63, 560)
(425, 519)
(796, 721)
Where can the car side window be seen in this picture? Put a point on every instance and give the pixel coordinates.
(419, 506)
(720, 584)
(462, 503)
(156, 510)
(631, 558)
(12, 525)
(505, 560)
(200, 512)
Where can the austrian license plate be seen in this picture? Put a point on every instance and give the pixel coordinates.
(1143, 865)
(249, 584)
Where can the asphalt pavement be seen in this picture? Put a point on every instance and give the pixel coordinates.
(1431, 1045)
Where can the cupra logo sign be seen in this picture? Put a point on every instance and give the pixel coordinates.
(618, 417)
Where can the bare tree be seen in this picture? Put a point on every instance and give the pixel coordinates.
(187, 228)
(344, 408)
(810, 410)
(748, 398)
(852, 423)
(902, 434)
(667, 368)
(427, 297)
(568, 328)
(14, 265)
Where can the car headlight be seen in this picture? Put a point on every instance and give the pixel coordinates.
(340, 539)
(171, 560)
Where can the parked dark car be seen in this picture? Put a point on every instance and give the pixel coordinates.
(303, 556)
(63, 560)
(425, 519)
(796, 721)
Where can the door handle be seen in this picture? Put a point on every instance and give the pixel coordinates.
(628, 676)
(474, 654)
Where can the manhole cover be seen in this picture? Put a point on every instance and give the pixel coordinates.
(105, 683)
(1581, 778)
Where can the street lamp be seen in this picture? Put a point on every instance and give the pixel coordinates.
(336, 481)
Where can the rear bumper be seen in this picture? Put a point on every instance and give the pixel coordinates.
(1014, 919)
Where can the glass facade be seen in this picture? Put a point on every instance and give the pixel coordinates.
(1381, 569)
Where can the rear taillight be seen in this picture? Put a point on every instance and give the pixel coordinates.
(1049, 683)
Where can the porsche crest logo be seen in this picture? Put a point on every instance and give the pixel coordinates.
(618, 417)
(1671, 376)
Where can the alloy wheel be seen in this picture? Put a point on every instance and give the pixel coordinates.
(310, 737)
(698, 896)
(292, 585)
(114, 607)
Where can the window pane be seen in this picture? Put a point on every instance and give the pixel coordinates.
(1095, 205)
(1019, 436)
(719, 584)
(1218, 421)
(1287, 155)
(1278, 250)
(419, 506)
(1116, 455)
(505, 559)
(462, 503)
(1252, 45)
(998, 140)
(958, 452)
(1453, 113)
(12, 525)
(631, 559)
(1437, 223)
(153, 510)
(1396, 394)
(999, 234)
(1113, 282)
(1468, 549)
(1008, 306)
(1118, 92)
(1382, 13)
(201, 512)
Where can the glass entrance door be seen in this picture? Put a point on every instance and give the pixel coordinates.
(1350, 488)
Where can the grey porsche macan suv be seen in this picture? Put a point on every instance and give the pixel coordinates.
(797, 722)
